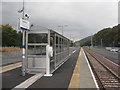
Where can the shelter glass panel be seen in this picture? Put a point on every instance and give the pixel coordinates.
(38, 38)
(36, 50)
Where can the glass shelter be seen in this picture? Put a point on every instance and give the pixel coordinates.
(46, 50)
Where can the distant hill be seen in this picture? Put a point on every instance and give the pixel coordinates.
(110, 37)
(84, 40)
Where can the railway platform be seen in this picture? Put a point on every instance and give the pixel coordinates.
(83, 74)
(74, 73)
(87, 79)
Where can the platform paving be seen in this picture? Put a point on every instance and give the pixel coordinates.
(86, 78)
(61, 77)
(12, 78)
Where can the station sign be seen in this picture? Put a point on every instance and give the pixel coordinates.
(24, 24)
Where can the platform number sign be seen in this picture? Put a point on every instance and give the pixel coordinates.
(24, 24)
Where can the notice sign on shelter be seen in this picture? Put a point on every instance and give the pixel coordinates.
(24, 24)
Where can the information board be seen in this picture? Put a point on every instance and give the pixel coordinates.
(24, 24)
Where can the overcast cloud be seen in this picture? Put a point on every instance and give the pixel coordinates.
(82, 18)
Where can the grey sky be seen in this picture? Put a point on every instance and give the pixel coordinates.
(82, 18)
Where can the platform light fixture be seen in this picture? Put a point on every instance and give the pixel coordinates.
(62, 27)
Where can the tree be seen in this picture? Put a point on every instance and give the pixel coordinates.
(109, 36)
(10, 37)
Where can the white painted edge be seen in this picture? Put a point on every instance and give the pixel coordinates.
(29, 81)
(74, 51)
(96, 84)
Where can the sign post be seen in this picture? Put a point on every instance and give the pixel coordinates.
(23, 53)
(25, 26)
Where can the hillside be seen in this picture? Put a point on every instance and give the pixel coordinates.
(109, 36)
(83, 41)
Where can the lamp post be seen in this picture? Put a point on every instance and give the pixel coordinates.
(101, 42)
(91, 41)
(70, 36)
(62, 27)
(23, 46)
(113, 44)
(24, 16)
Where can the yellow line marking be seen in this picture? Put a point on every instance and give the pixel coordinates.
(75, 80)
(5, 70)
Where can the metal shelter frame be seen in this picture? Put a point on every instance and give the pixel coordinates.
(44, 56)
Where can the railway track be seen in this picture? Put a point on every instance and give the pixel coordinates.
(106, 72)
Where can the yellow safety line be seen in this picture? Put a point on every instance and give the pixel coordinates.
(5, 70)
(75, 80)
